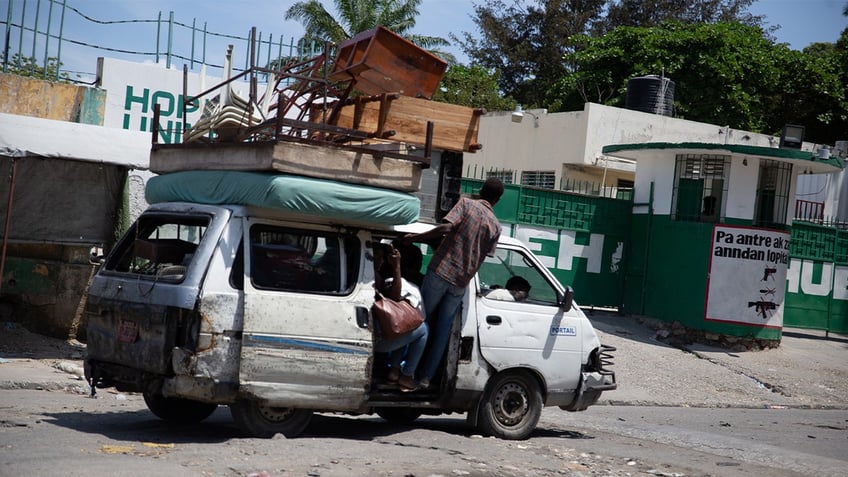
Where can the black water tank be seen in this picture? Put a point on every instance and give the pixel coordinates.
(650, 94)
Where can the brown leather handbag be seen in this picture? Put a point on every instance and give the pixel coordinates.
(396, 318)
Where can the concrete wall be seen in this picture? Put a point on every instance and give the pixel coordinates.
(44, 284)
(557, 140)
(44, 288)
(43, 99)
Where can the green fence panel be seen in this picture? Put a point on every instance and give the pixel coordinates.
(580, 238)
(817, 283)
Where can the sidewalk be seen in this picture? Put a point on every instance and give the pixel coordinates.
(807, 370)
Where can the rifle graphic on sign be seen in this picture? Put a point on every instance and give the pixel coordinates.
(762, 307)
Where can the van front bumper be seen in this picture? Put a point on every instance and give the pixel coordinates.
(594, 381)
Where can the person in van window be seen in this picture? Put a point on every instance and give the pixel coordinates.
(411, 259)
(468, 233)
(405, 351)
(517, 289)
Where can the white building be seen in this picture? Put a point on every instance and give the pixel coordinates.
(563, 150)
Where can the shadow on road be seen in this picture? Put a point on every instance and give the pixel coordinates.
(142, 426)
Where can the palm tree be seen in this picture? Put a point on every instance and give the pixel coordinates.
(356, 16)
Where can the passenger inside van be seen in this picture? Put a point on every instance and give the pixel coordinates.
(411, 260)
(404, 351)
(517, 289)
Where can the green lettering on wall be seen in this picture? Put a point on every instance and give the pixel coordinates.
(167, 108)
(143, 99)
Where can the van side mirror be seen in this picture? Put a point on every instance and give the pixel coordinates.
(567, 300)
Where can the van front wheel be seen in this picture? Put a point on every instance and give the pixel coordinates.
(511, 407)
(263, 420)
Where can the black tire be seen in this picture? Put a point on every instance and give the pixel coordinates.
(398, 415)
(180, 411)
(262, 420)
(511, 406)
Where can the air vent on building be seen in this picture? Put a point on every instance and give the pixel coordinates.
(650, 94)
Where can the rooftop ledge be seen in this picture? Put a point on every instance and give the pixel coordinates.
(806, 159)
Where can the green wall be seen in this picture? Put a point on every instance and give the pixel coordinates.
(817, 299)
(581, 238)
(666, 275)
(662, 272)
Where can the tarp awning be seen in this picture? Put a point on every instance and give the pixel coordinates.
(24, 136)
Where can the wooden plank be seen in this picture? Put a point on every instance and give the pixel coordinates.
(321, 161)
(455, 128)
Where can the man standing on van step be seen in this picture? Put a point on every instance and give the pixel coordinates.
(468, 233)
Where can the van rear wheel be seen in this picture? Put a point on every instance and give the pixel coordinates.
(398, 415)
(511, 407)
(181, 411)
(263, 420)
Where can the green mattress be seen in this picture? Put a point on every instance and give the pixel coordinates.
(319, 197)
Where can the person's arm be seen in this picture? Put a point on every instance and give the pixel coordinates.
(394, 292)
(436, 232)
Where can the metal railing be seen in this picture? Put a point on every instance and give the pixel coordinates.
(809, 211)
(566, 184)
(41, 34)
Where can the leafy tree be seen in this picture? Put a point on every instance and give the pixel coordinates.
(654, 12)
(724, 73)
(527, 39)
(355, 16)
(473, 86)
(28, 66)
(812, 92)
(526, 42)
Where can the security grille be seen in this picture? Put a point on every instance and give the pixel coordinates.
(540, 179)
(700, 185)
(505, 175)
(772, 194)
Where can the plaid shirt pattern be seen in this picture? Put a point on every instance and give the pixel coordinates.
(474, 235)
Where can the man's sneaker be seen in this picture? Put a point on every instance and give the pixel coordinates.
(424, 383)
(407, 383)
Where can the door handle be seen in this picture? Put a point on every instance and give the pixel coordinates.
(362, 315)
(493, 320)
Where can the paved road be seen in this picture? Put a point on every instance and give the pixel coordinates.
(807, 370)
(779, 412)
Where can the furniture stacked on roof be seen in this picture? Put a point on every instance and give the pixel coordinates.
(365, 117)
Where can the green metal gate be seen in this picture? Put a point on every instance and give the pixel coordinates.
(580, 238)
(817, 280)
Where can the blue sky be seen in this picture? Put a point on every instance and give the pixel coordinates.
(801, 23)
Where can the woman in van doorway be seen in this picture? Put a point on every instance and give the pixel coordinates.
(405, 351)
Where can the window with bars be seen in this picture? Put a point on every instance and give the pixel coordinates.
(772, 194)
(700, 186)
(505, 175)
(541, 179)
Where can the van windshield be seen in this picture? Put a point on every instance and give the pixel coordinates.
(159, 246)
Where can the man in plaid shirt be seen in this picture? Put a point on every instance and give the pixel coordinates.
(468, 233)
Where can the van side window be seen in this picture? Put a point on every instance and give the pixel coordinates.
(500, 274)
(304, 261)
(237, 271)
(159, 246)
